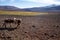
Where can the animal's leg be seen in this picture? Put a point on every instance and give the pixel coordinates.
(10, 24)
(4, 25)
(18, 25)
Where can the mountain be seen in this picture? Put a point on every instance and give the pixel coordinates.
(51, 8)
(9, 8)
(12, 8)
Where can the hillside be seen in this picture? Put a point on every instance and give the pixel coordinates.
(34, 9)
(45, 9)
(10, 8)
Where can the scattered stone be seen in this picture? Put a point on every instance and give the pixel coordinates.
(25, 32)
(52, 36)
(33, 26)
(57, 26)
(45, 34)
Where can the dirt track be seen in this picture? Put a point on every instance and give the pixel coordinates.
(45, 27)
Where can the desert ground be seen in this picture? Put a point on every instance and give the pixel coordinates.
(42, 27)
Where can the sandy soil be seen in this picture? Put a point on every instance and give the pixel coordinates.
(43, 27)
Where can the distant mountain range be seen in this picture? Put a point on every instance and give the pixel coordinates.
(35, 9)
(10, 8)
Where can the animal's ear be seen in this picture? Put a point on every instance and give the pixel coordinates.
(14, 18)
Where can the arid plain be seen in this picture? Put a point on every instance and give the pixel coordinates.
(36, 27)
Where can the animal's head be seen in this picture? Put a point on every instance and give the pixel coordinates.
(18, 19)
(14, 18)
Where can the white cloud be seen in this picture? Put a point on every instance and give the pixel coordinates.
(37, 1)
(45, 1)
(7, 0)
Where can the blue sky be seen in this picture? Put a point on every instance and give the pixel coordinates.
(29, 3)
